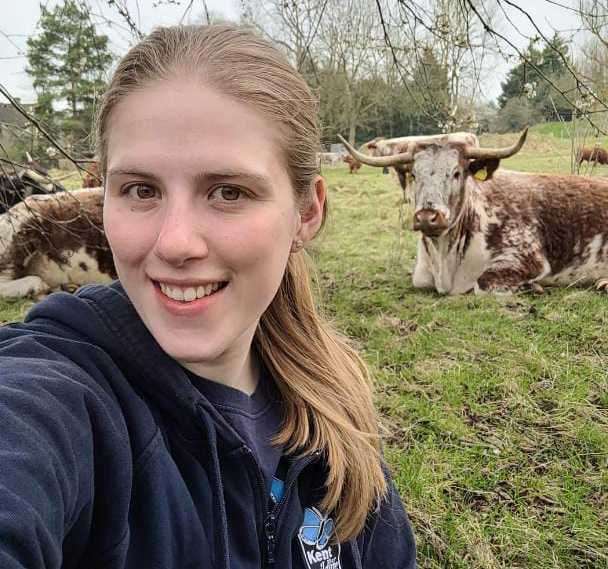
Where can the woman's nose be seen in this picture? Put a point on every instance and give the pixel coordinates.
(180, 238)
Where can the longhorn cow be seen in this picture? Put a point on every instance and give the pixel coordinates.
(488, 230)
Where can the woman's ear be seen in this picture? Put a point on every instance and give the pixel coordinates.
(311, 217)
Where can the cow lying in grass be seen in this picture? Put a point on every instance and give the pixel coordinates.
(54, 241)
(488, 230)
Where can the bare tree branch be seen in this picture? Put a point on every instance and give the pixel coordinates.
(40, 128)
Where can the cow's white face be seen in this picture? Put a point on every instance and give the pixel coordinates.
(437, 178)
(201, 216)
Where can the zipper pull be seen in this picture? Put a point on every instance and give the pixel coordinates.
(269, 530)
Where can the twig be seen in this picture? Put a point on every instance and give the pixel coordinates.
(40, 128)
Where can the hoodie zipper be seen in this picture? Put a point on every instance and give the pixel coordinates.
(271, 517)
(209, 434)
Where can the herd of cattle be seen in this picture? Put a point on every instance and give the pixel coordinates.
(481, 228)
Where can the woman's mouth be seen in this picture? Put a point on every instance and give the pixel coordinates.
(185, 293)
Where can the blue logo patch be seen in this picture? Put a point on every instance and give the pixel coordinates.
(314, 536)
(277, 490)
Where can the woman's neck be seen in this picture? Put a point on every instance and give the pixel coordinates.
(240, 373)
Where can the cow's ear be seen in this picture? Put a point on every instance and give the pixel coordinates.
(483, 169)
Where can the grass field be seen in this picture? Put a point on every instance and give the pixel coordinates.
(495, 408)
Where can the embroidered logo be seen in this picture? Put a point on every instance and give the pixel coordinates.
(314, 536)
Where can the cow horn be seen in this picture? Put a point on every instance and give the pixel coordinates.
(403, 158)
(499, 153)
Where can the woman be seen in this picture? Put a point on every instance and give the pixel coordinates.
(198, 412)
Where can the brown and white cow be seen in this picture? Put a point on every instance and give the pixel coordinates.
(353, 165)
(488, 230)
(54, 241)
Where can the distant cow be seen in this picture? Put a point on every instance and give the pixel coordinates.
(484, 230)
(92, 178)
(328, 158)
(595, 154)
(53, 241)
(353, 165)
(15, 187)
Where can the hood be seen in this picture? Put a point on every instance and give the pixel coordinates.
(104, 316)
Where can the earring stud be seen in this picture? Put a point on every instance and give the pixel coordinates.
(297, 245)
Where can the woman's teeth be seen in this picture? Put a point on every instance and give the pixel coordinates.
(188, 294)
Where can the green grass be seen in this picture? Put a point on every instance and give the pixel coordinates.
(71, 182)
(546, 151)
(556, 129)
(13, 310)
(495, 408)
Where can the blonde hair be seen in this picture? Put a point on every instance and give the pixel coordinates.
(324, 383)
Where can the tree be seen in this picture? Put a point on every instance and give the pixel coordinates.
(528, 79)
(68, 60)
(517, 113)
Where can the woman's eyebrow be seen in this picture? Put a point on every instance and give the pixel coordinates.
(208, 177)
(219, 176)
(130, 172)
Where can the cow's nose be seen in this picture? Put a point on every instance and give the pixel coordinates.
(430, 221)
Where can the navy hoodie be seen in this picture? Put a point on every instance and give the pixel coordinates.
(110, 458)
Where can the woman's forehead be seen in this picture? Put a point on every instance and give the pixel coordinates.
(199, 124)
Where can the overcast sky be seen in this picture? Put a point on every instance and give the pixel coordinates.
(18, 21)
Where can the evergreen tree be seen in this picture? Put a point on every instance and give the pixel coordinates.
(68, 61)
(527, 79)
(430, 82)
(522, 75)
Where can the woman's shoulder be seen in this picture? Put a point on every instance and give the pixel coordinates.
(50, 371)
(61, 381)
(56, 357)
(58, 339)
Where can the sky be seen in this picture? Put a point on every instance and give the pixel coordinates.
(19, 22)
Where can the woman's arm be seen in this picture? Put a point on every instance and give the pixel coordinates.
(54, 432)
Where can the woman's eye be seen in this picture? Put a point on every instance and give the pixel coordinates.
(141, 191)
(227, 193)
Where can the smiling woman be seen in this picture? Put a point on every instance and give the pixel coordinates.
(199, 412)
(176, 224)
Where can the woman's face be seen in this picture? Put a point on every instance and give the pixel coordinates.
(200, 214)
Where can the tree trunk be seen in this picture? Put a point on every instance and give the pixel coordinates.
(352, 130)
